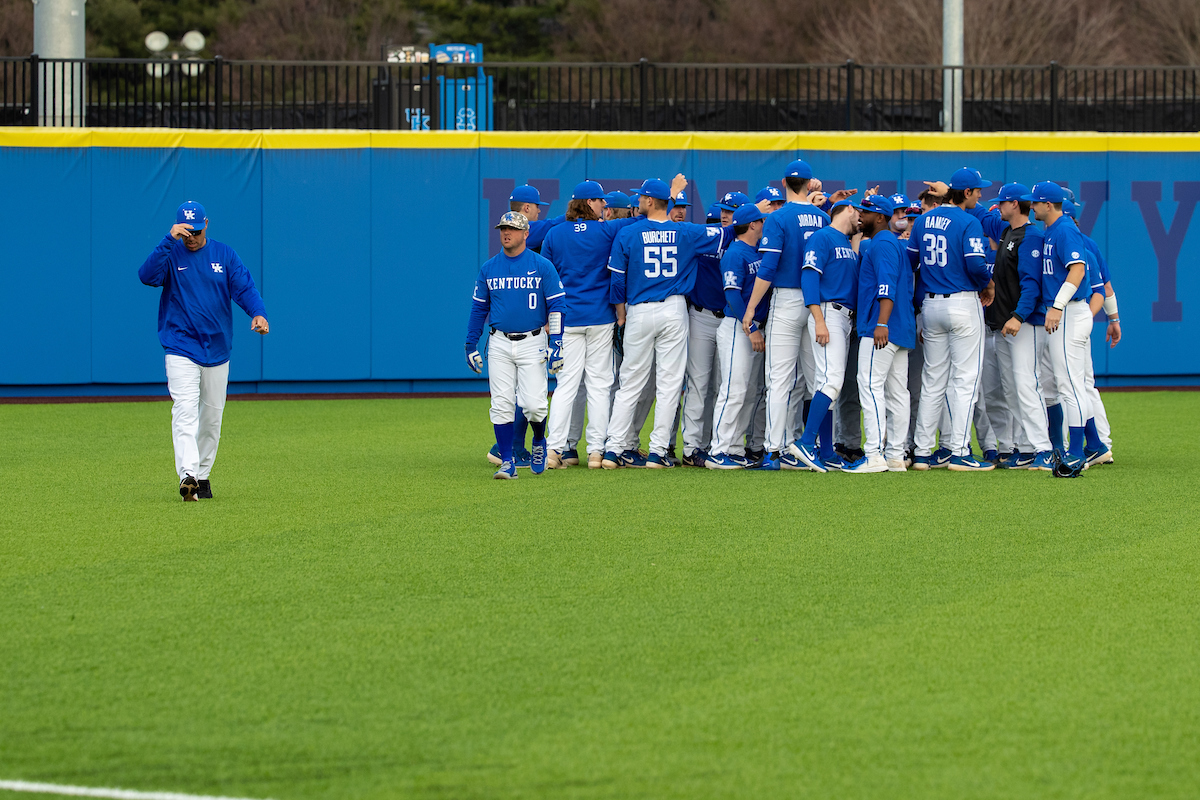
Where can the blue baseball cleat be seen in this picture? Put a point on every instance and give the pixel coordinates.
(969, 464)
(991, 456)
(537, 460)
(633, 458)
(789, 461)
(506, 472)
(807, 457)
(839, 462)
(743, 461)
(1092, 457)
(868, 464)
(570, 457)
(941, 458)
(722, 461)
(695, 459)
(493, 455)
(1043, 461)
(655, 461)
(522, 458)
(769, 463)
(1018, 461)
(922, 463)
(611, 461)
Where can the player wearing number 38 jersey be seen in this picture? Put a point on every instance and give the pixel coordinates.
(653, 265)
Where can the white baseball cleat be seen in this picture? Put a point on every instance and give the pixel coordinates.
(595, 460)
(897, 465)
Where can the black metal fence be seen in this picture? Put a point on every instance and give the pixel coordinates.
(216, 93)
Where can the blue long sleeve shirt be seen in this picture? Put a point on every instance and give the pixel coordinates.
(195, 318)
(519, 292)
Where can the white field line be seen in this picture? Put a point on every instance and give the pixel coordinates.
(115, 794)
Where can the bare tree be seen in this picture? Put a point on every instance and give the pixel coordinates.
(1169, 31)
(16, 28)
(313, 29)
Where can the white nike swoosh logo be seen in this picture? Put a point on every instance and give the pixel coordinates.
(532, 272)
(181, 269)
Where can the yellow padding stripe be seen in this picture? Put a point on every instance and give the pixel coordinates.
(797, 143)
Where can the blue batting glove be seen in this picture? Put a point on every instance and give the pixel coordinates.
(556, 357)
(475, 361)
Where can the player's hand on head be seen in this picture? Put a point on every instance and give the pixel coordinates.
(815, 185)
(181, 229)
(678, 184)
(938, 187)
(259, 325)
(872, 191)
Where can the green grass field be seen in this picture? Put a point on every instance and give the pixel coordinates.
(361, 612)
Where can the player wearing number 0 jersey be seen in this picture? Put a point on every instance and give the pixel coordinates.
(830, 284)
(790, 365)
(521, 292)
(653, 262)
(948, 246)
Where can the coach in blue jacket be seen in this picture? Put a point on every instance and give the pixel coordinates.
(199, 277)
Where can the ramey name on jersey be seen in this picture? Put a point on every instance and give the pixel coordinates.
(949, 247)
(785, 235)
(655, 259)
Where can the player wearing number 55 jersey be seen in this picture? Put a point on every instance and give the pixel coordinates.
(653, 265)
(521, 291)
(948, 246)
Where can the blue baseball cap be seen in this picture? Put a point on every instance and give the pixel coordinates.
(769, 193)
(746, 214)
(713, 214)
(526, 194)
(1069, 207)
(681, 200)
(654, 188)
(617, 200)
(841, 203)
(732, 201)
(900, 200)
(914, 209)
(798, 169)
(1011, 191)
(967, 178)
(1070, 195)
(1046, 192)
(588, 190)
(877, 204)
(191, 213)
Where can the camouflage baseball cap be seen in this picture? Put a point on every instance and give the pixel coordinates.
(514, 219)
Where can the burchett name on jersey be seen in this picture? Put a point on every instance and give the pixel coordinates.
(518, 282)
(658, 237)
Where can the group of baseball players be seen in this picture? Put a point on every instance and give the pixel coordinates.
(797, 330)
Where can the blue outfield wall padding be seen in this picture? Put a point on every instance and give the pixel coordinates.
(366, 245)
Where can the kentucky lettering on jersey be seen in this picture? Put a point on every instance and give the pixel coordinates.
(517, 292)
(830, 269)
(515, 282)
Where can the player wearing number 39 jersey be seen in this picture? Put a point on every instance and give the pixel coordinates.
(653, 265)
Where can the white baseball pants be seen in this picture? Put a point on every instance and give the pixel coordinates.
(830, 359)
(701, 372)
(199, 401)
(1068, 350)
(641, 411)
(790, 366)
(587, 349)
(1098, 410)
(999, 427)
(655, 340)
(883, 392)
(734, 408)
(1020, 362)
(517, 373)
(953, 329)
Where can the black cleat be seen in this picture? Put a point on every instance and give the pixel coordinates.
(205, 490)
(188, 488)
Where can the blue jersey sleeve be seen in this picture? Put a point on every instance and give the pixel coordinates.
(733, 278)
(155, 269)
(618, 263)
(913, 250)
(708, 239)
(481, 303)
(556, 295)
(810, 274)
(242, 288)
(993, 226)
(771, 246)
(1029, 273)
(974, 248)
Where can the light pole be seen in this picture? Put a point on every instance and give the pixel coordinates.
(952, 56)
(58, 34)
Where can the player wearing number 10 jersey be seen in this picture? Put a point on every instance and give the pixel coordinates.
(653, 265)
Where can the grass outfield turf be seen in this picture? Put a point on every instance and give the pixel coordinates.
(362, 613)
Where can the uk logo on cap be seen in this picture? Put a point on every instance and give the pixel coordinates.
(190, 213)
